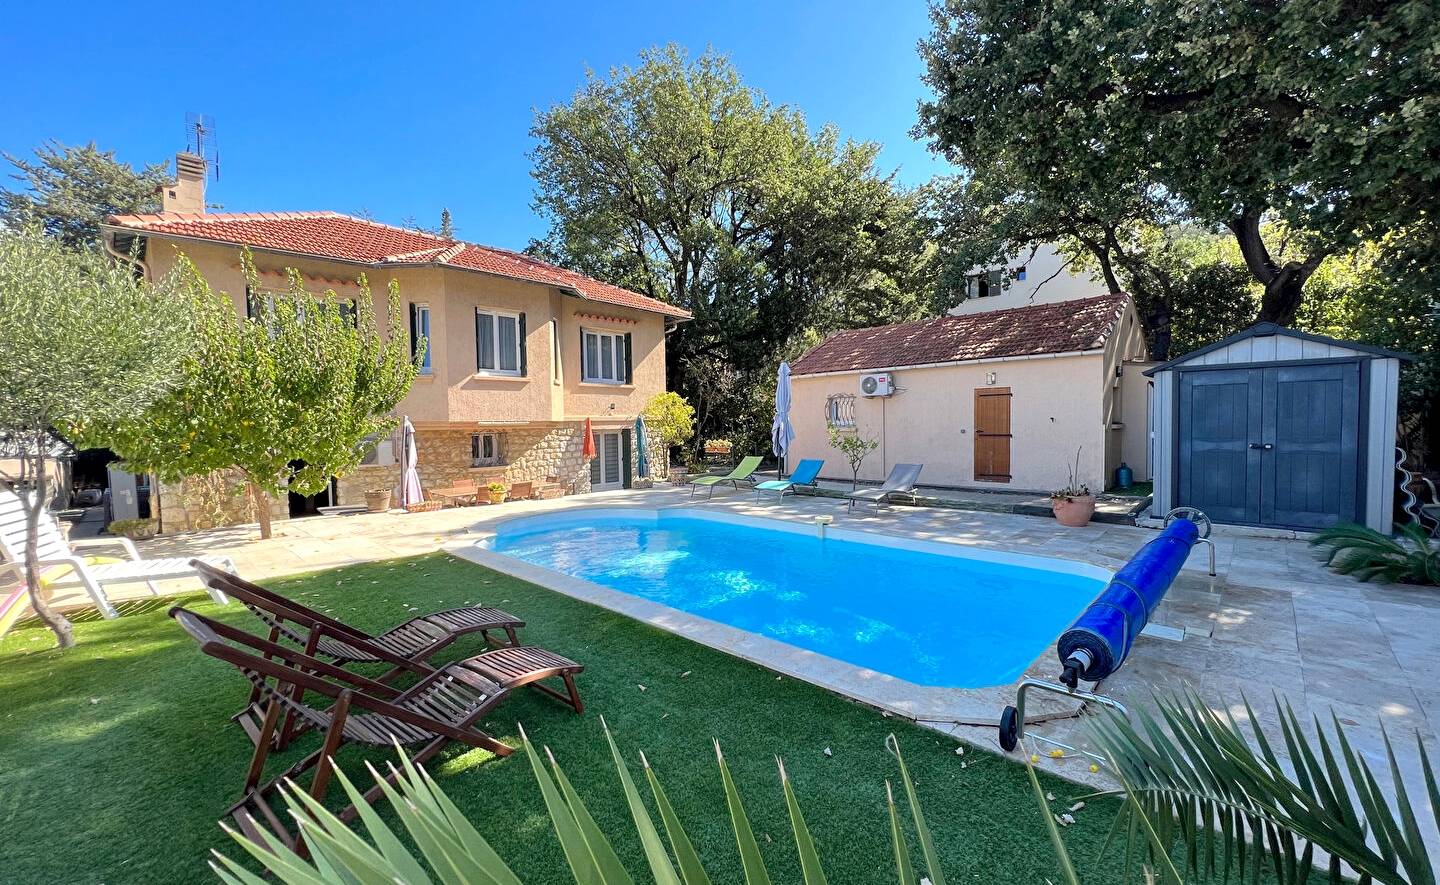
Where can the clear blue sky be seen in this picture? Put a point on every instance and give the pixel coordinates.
(400, 108)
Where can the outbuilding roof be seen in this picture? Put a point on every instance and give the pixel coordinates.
(359, 241)
(1060, 327)
(1266, 330)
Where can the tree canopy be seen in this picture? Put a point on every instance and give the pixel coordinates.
(1323, 118)
(68, 190)
(674, 179)
(290, 397)
(81, 341)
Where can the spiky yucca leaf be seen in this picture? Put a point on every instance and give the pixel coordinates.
(1191, 770)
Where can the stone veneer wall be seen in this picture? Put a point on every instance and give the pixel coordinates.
(206, 502)
(532, 452)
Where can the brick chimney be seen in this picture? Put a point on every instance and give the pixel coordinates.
(187, 194)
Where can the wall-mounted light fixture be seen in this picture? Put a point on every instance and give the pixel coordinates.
(989, 377)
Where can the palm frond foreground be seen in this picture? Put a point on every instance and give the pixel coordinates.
(451, 850)
(1220, 793)
(1358, 550)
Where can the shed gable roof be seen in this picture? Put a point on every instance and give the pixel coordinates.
(1035, 330)
(346, 238)
(1263, 330)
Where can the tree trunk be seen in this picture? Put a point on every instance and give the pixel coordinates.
(62, 628)
(1281, 301)
(262, 509)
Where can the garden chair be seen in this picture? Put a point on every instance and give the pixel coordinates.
(520, 491)
(405, 647)
(443, 707)
(901, 481)
(743, 472)
(804, 475)
(62, 566)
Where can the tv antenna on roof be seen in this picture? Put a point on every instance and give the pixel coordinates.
(201, 141)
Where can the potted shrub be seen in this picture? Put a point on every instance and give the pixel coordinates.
(377, 500)
(1073, 505)
(497, 492)
(134, 529)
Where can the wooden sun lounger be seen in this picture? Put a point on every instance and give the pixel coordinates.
(405, 647)
(443, 707)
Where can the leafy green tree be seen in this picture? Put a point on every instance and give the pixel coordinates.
(1319, 116)
(81, 340)
(70, 189)
(854, 448)
(674, 179)
(670, 419)
(286, 399)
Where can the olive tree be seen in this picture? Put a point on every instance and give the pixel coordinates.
(286, 399)
(81, 341)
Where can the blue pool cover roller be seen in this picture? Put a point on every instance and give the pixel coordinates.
(1101, 638)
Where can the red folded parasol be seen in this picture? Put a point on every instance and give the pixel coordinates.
(588, 452)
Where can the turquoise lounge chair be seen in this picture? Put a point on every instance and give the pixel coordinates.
(742, 473)
(804, 475)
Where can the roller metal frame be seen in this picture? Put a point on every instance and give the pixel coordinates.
(1012, 719)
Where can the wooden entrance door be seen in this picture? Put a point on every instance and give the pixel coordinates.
(992, 434)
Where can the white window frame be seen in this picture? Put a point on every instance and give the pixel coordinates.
(495, 316)
(478, 457)
(422, 308)
(617, 356)
(556, 369)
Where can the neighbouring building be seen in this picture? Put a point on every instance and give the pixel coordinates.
(1002, 397)
(1038, 275)
(520, 352)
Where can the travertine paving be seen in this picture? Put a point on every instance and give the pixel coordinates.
(1273, 620)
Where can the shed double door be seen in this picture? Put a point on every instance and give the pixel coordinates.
(1275, 446)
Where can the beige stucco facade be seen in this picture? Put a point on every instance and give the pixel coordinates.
(1059, 404)
(536, 416)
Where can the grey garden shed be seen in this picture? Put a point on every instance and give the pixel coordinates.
(1279, 428)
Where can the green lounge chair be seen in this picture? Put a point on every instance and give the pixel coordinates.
(804, 474)
(741, 473)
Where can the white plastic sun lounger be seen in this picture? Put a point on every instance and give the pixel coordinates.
(53, 550)
(901, 481)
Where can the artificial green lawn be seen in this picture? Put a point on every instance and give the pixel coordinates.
(117, 757)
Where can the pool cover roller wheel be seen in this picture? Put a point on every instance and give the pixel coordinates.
(1101, 639)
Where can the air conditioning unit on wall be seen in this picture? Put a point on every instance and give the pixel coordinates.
(879, 384)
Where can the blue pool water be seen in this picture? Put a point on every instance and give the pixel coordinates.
(962, 619)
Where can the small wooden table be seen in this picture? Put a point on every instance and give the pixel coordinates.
(457, 496)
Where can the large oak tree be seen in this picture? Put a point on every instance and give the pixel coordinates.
(1322, 118)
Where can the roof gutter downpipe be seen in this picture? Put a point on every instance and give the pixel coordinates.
(108, 244)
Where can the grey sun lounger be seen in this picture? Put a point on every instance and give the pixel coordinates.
(901, 480)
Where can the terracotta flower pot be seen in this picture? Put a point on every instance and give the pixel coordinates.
(1073, 512)
(377, 500)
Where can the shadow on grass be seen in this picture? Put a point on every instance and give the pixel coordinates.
(118, 756)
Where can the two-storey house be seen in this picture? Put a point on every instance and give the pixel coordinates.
(520, 352)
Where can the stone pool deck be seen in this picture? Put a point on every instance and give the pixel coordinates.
(1273, 620)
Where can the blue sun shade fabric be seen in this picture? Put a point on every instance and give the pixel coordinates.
(1108, 628)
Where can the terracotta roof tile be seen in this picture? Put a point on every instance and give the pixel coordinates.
(1061, 327)
(345, 238)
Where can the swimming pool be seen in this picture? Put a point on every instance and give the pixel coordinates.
(929, 613)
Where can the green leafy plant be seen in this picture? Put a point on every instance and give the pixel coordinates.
(455, 852)
(670, 419)
(1411, 558)
(854, 447)
(1195, 782)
